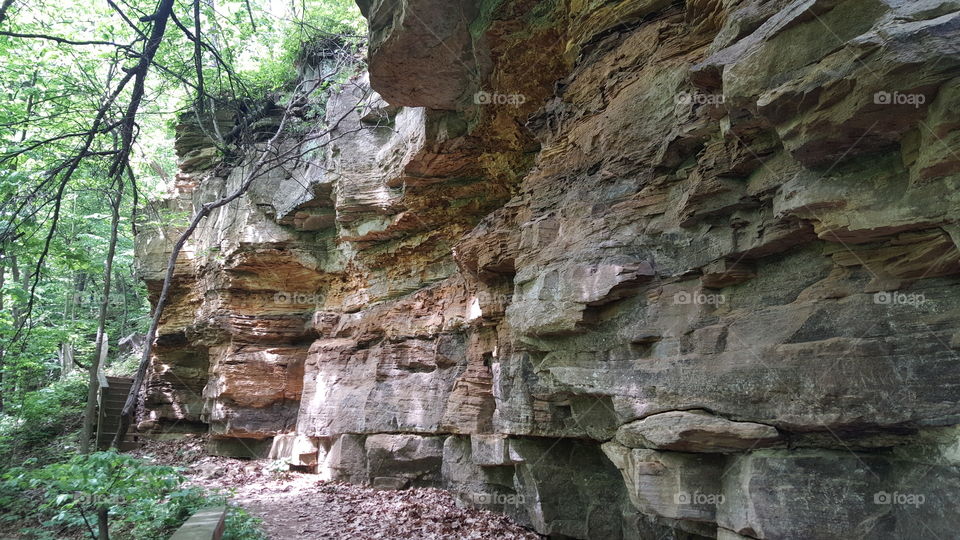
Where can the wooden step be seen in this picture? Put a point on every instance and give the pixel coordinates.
(112, 400)
(112, 405)
(124, 446)
(129, 442)
(130, 436)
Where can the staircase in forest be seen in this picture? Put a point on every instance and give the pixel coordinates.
(113, 394)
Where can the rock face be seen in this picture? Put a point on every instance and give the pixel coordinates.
(622, 269)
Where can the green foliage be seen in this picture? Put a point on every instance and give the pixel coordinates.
(143, 500)
(126, 366)
(66, 301)
(42, 417)
(279, 469)
(298, 37)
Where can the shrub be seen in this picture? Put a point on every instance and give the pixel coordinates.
(142, 500)
(41, 418)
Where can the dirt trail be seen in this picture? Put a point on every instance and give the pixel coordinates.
(301, 506)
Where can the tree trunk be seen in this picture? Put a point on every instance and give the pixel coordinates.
(123, 294)
(160, 18)
(89, 414)
(15, 274)
(66, 359)
(103, 523)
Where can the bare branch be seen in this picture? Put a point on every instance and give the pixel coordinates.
(65, 41)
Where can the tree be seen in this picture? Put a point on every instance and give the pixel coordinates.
(90, 411)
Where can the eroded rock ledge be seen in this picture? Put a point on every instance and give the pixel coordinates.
(630, 269)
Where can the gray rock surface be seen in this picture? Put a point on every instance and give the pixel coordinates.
(625, 269)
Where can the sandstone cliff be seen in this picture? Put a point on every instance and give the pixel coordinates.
(620, 269)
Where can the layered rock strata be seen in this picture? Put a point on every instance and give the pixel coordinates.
(623, 269)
